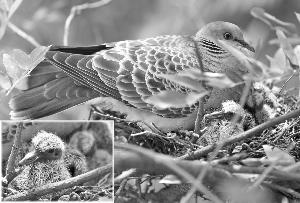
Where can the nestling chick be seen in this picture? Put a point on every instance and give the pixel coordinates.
(231, 120)
(50, 161)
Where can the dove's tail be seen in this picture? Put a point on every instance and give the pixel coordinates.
(48, 90)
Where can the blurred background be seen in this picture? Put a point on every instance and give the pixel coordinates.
(132, 19)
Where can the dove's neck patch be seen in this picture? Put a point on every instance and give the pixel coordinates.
(211, 46)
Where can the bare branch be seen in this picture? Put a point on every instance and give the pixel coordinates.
(23, 34)
(76, 10)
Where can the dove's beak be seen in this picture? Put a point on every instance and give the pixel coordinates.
(245, 44)
(29, 158)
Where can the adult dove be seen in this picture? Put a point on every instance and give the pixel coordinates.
(125, 74)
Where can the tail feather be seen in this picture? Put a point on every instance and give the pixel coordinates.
(54, 96)
(58, 85)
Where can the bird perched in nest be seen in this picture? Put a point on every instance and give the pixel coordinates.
(125, 74)
(50, 161)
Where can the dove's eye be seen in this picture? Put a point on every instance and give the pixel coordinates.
(227, 36)
(50, 151)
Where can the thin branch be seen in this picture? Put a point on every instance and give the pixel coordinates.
(284, 84)
(277, 174)
(16, 4)
(76, 10)
(10, 176)
(10, 169)
(247, 134)
(23, 34)
(58, 186)
(199, 118)
(147, 162)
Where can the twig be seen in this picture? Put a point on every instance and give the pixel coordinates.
(246, 90)
(10, 176)
(76, 10)
(247, 134)
(16, 4)
(23, 34)
(124, 175)
(10, 169)
(58, 186)
(200, 114)
(278, 174)
(121, 187)
(284, 84)
(235, 157)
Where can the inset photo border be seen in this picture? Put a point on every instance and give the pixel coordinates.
(57, 160)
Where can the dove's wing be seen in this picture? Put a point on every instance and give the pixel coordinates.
(126, 71)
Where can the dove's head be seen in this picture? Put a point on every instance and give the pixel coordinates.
(47, 146)
(216, 57)
(225, 31)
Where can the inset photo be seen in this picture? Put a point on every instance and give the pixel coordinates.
(57, 160)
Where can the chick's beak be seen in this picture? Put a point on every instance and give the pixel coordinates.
(245, 44)
(29, 158)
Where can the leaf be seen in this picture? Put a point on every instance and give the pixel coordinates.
(193, 79)
(272, 21)
(184, 81)
(168, 99)
(278, 63)
(241, 191)
(5, 82)
(19, 65)
(253, 162)
(287, 47)
(298, 16)
(220, 81)
(170, 179)
(255, 67)
(192, 73)
(292, 40)
(275, 154)
(297, 53)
